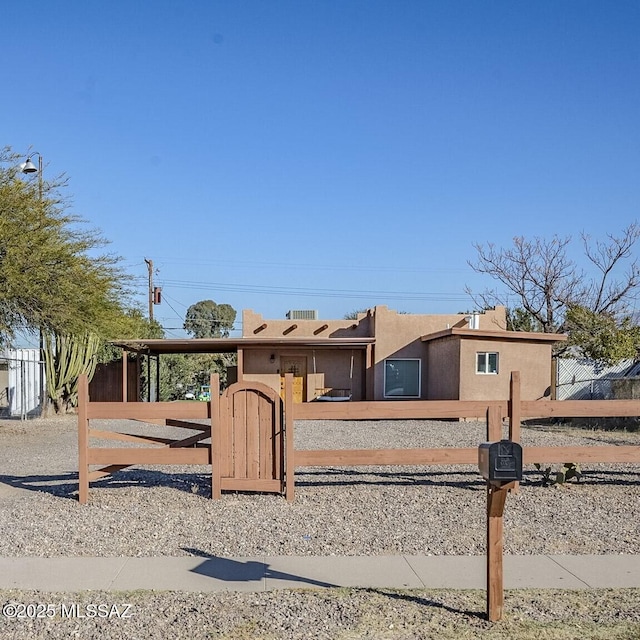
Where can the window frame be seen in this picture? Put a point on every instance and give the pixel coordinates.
(486, 357)
(384, 388)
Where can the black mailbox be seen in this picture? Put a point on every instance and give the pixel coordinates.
(500, 461)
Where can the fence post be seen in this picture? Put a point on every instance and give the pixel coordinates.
(83, 438)
(288, 435)
(494, 422)
(216, 436)
(23, 391)
(514, 407)
(514, 413)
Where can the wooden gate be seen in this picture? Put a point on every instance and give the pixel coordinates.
(248, 439)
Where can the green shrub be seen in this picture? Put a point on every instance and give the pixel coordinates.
(552, 478)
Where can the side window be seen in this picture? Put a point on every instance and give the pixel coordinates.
(402, 378)
(487, 362)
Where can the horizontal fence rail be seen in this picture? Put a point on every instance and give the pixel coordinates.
(146, 411)
(154, 449)
(495, 411)
(580, 408)
(395, 410)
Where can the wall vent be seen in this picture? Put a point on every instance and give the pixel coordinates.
(302, 314)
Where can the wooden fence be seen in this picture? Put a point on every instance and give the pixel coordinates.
(495, 411)
(157, 450)
(192, 450)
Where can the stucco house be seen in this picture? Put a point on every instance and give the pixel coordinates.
(380, 355)
(386, 355)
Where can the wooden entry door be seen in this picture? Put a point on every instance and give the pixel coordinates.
(248, 442)
(298, 367)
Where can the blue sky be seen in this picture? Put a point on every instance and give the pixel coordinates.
(329, 155)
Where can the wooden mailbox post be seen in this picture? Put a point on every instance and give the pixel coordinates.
(496, 497)
(500, 464)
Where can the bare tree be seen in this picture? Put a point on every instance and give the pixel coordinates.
(611, 292)
(546, 282)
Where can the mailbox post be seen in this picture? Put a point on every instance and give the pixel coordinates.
(500, 464)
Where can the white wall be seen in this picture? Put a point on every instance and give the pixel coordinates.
(24, 372)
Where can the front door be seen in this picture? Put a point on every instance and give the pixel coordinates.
(298, 366)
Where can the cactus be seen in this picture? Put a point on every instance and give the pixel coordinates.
(65, 358)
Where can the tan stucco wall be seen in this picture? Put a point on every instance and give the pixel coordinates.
(332, 369)
(253, 323)
(443, 369)
(335, 364)
(532, 360)
(398, 335)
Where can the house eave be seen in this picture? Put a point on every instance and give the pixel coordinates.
(512, 336)
(232, 345)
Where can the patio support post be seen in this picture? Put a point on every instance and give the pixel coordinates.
(368, 373)
(125, 376)
(240, 353)
(157, 399)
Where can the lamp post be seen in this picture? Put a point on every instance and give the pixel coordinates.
(28, 167)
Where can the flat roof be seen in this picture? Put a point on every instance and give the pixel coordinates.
(524, 336)
(160, 346)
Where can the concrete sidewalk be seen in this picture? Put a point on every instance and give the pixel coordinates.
(309, 572)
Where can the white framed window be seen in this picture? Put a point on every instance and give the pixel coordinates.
(402, 378)
(487, 362)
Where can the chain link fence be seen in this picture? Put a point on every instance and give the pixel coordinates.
(582, 379)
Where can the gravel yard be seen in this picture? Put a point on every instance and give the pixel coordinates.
(348, 511)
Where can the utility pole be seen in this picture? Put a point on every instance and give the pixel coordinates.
(150, 268)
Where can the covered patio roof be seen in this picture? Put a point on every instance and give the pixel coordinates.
(231, 345)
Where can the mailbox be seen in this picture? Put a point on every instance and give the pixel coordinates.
(500, 461)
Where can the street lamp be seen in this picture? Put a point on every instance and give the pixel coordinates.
(28, 167)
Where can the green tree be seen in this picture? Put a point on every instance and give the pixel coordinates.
(180, 373)
(206, 319)
(56, 279)
(53, 275)
(520, 320)
(131, 324)
(601, 337)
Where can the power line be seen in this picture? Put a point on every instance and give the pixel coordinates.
(312, 267)
(322, 293)
(172, 309)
